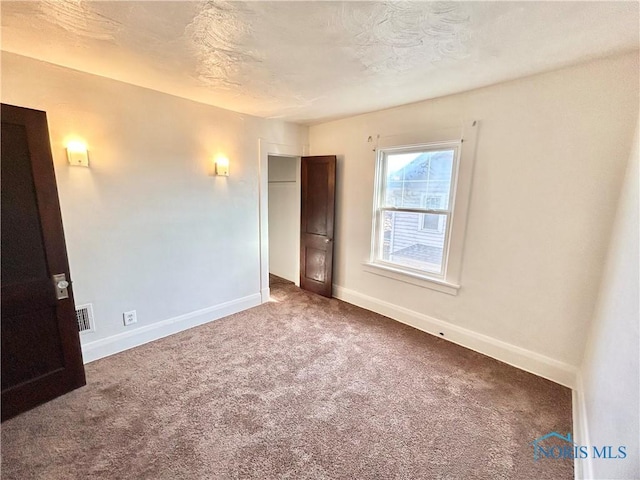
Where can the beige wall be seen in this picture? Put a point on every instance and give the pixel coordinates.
(146, 227)
(610, 371)
(551, 154)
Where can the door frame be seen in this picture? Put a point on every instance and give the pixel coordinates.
(265, 148)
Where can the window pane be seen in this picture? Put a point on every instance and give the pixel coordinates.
(431, 222)
(411, 178)
(408, 240)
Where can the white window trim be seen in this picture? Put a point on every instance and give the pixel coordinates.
(410, 277)
(449, 281)
(379, 195)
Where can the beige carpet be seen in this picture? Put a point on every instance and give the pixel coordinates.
(303, 387)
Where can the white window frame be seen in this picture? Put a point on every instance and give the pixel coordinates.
(381, 207)
(448, 281)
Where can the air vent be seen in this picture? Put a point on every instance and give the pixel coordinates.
(84, 315)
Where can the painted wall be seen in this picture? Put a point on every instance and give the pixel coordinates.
(284, 217)
(611, 368)
(147, 227)
(551, 155)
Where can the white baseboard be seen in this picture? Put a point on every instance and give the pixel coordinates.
(518, 357)
(265, 295)
(581, 467)
(123, 341)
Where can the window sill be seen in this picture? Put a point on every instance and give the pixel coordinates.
(412, 278)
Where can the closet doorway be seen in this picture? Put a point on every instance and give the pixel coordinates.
(284, 218)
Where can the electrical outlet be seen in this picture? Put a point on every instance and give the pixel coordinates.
(129, 317)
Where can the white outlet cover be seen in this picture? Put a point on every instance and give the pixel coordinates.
(130, 317)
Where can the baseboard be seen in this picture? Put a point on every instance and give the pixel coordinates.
(265, 295)
(581, 467)
(123, 341)
(518, 357)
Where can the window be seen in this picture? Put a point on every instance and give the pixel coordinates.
(413, 211)
(432, 222)
(421, 200)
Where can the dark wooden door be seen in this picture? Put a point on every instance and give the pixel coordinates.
(41, 356)
(318, 186)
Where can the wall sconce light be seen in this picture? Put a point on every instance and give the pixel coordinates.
(77, 154)
(222, 166)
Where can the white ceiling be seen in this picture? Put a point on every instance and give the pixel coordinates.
(308, 61)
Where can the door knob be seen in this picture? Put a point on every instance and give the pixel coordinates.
(61, 284)
(326, 240)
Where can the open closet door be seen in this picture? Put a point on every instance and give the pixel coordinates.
(318, 187)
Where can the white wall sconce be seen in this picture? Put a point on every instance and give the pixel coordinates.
(77, 154)
(222, 166)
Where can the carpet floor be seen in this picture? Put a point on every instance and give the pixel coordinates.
(300, 388)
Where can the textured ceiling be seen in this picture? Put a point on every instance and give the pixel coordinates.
(308, 61)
